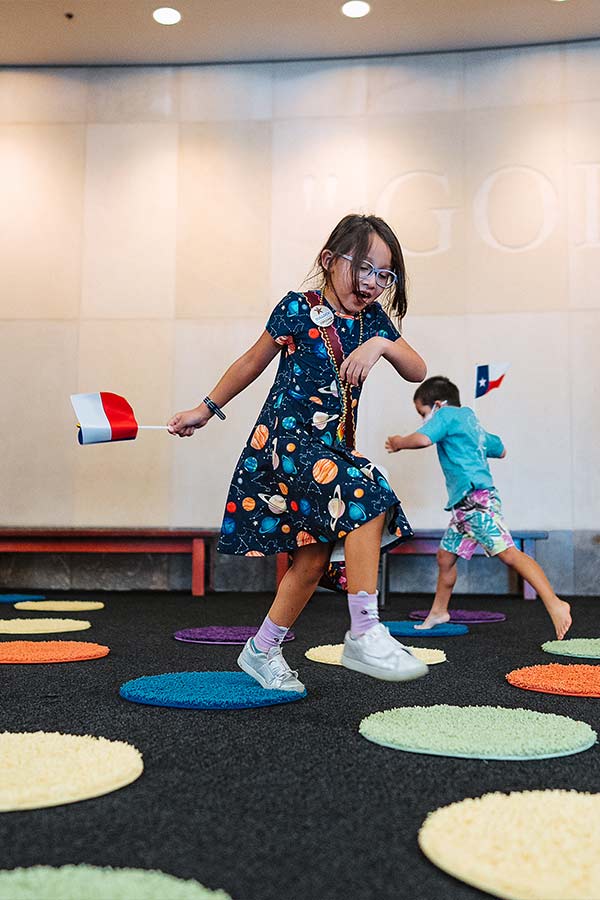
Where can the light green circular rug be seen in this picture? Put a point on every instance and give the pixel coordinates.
(42, 626)
(59, 605)
(587, 647)
(39, 768)
(530, 845)
(478, 732)
(94, 883)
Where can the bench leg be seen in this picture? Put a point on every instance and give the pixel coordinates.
(529, 548)
(198, 557)
(383, 580)
(282, 564)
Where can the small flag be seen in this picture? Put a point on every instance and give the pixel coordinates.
(104, 417)
(489, 377)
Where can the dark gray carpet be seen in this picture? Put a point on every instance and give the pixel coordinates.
(287, 802)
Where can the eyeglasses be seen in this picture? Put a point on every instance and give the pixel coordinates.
(385, 278)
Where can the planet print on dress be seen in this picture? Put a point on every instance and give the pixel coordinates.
(336, 507)
(288, 464)
(295, 481)
(268, 525)
(276, 503)
(357, 512)
(260, 437)
(324, 471)
(320, 420)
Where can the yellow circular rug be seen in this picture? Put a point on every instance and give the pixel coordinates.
(39, 769)
(60, 605)
(331, 654)
(531, 845)
(42, 626)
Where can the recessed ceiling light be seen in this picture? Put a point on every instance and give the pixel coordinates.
(356, 9)
(166, 15)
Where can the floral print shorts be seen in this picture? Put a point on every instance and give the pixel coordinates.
(477, 519)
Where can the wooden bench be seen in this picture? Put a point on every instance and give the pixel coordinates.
(426, 543)
(201, 543)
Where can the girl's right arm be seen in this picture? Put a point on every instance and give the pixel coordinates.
(238, 376)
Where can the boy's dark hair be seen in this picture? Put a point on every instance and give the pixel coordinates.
(352, 235)
(437, 388)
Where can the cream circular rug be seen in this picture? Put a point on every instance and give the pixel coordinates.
(531, 845)
(331, 654)
(39, 769)
(60, 605)
(42, 626)
(82, 882)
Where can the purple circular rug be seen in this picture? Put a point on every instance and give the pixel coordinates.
(464, 616)
(221, 634)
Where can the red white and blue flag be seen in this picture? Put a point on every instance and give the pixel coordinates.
(103, 417)
(489, 376)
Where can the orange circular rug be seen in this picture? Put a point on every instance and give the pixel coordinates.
(49, 651)
(574, 680)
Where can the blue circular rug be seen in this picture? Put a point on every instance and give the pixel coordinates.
(407, 629)
(204, 690)
(17, 598)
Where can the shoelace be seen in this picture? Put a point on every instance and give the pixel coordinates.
(279, 667)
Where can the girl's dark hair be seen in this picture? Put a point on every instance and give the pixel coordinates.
(352, 235)
(437, 388)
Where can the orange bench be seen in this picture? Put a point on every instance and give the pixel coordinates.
(201, 543)
(426, 543)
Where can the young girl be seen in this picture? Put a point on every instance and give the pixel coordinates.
(463, 451)
(300, 485)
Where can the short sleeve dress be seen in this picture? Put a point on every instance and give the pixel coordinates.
(296, 481)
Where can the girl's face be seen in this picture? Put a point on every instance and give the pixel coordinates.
(340, 289)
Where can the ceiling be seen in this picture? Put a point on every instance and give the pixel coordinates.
(106, 32)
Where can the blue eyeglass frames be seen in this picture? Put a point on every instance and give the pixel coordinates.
(384, 277)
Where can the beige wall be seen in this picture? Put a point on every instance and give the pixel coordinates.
(150, 218)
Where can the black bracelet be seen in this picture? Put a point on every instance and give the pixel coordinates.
(214, 408)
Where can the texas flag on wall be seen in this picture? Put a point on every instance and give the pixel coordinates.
(103, 417)
(489, 376)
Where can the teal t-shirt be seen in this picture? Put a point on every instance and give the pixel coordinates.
(463, 448)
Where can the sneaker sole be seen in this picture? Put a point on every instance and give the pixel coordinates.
(264, 684)
(365, 669)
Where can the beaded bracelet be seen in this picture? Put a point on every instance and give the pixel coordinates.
(214, 408)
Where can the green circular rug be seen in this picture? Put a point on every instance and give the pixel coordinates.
(587, 647)
(477, 732)
(93, 883)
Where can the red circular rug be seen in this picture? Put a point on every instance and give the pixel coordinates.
(49, 651)
(574, 680)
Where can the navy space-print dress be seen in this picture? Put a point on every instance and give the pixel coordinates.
(296, 481)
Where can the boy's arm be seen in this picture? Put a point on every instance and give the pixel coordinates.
(494, 447)
(414, 441)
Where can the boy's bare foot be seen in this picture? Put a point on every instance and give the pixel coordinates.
(560, 613)
(432, 620)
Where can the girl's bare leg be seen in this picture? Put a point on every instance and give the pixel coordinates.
(438, 614)
(299, 583)
(361, 548)
(558, 610)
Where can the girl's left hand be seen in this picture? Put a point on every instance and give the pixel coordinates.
(359, 363)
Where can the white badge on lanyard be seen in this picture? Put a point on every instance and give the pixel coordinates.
(321, 316)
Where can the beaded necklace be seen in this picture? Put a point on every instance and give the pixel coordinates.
(347, 417)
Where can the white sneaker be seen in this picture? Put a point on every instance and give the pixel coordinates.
(378, 654)
(269, 669)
